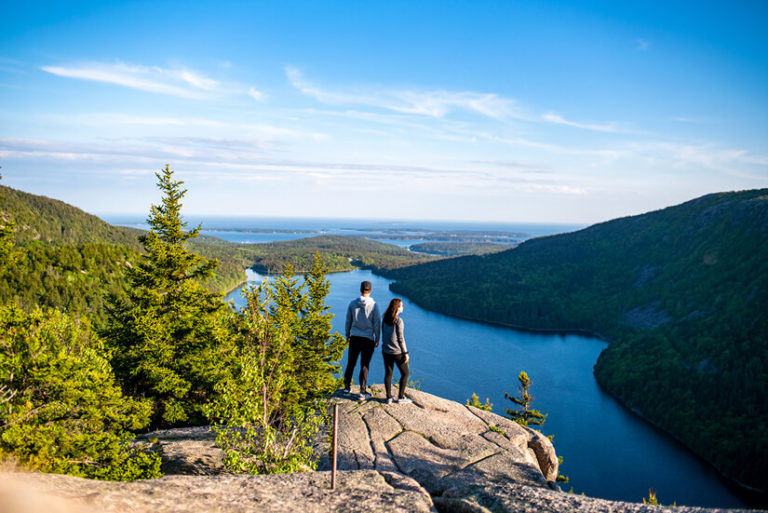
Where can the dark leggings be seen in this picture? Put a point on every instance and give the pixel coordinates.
(389, 363)
(364, 348)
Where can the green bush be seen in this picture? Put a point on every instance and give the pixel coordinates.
(60, 409)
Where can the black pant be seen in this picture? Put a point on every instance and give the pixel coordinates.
(364, 348)
(389, 364)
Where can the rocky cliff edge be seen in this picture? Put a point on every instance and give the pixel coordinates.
(432, 455)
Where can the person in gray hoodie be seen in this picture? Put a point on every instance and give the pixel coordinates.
(363, 331)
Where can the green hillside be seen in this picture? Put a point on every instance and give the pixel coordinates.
(681, 293)
(339, 252)
(72, 259)
(43, 219)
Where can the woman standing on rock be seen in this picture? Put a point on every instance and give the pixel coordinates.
(394, 350)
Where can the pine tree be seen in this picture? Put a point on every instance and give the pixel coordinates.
(169, 336)
(320, 350)
(300, 311)
(525, 415)
(267, 414)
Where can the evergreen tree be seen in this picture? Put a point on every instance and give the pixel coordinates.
(319, 349)
(268, 412)
(300, 310)
(169, 334)
(525, 415)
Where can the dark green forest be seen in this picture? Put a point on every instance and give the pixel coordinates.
(680, 293)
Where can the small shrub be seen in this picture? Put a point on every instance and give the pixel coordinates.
(475, 401)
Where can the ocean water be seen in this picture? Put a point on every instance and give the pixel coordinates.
(270, 229)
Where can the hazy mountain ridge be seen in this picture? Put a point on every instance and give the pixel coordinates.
(682, 293)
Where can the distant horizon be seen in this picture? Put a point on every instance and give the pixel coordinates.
(130, 217)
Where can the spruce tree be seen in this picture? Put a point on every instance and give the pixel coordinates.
(525, 415)
(319, 349)
(268, 412)
(169, 335)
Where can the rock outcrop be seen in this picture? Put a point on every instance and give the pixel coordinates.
(191, 451)
(433, 455)
(448, 447)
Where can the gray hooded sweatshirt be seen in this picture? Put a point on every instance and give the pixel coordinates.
(363, 319)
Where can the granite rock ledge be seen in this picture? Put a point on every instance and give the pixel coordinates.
(433, 455)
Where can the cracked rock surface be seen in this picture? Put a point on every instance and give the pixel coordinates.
(449, 448)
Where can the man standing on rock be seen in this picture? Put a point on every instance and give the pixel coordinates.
(362, 329)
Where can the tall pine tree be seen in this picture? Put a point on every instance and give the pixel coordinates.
(169, 335)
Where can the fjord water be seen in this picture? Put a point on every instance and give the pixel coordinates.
(608, 451)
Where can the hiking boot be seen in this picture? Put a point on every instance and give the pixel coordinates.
(365, 396)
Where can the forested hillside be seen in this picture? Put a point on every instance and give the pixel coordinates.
(43, 219)
(339, 252)
(681, 294)
(72, 259)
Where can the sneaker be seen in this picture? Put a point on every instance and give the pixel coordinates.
(404, 400)
(364, 396)
(347, 391)
(389, 400)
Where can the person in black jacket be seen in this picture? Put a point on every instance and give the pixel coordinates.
(394, 350)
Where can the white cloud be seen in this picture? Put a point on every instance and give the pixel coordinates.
(436, 103)
(559, 120)
(176, 82)
(256, 94)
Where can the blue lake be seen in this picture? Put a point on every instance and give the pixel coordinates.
(608, 452)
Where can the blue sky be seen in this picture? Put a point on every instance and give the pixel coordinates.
(572, 112)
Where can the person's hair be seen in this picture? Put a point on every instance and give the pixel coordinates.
(366, 287)
(390, 316)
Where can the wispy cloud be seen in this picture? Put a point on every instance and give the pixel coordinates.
(256, 94)
(180, 82)
(436, 103)
(559, 120)
(643, 44)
